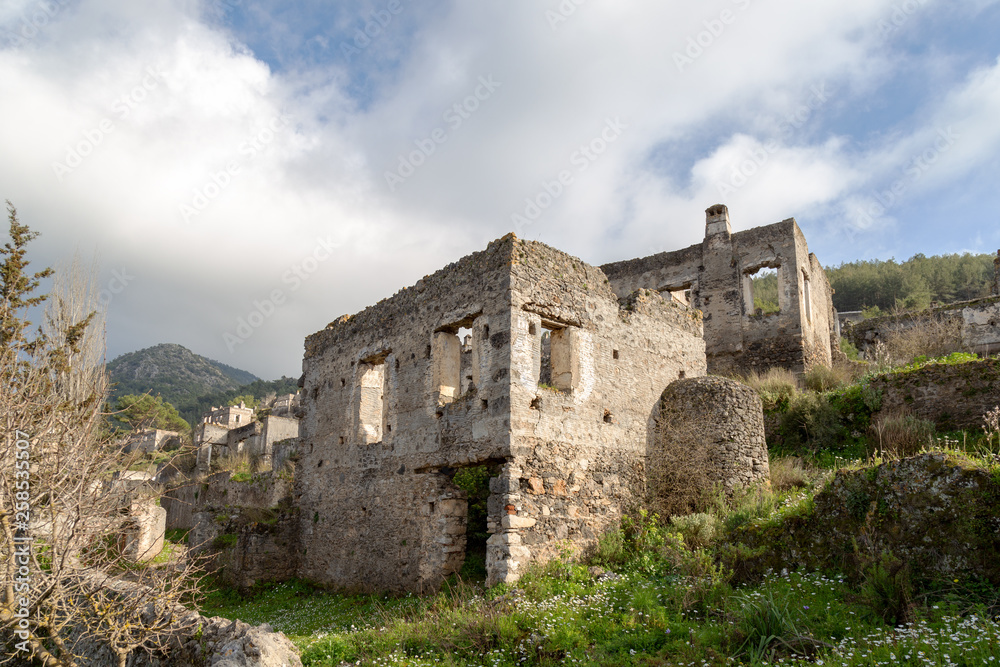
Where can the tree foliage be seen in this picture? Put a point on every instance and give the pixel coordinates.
(248, 400)
(912, 284)
(62, 524)
(140, 412)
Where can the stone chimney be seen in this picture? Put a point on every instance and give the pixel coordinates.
(717, 221)
(996, 274)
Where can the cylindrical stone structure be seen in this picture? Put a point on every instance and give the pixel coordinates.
(707, 431)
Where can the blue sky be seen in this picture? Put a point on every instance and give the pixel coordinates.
(237, 161)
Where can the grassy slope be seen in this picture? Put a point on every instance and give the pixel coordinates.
(664, 604)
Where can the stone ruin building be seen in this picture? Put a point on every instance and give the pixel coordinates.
(450, 373)
(972, 326)
(717, 274)
(152, 440)
(234, 429)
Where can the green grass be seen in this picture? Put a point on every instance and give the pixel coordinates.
(562, 615)
(653, 600)
(656, 594)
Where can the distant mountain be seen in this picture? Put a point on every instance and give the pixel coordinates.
(190, 382)
(173, 372)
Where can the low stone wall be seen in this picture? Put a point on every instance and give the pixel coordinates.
(939, 513)
(248, 545)
(974, 325)
(953, 396)
(185, 500)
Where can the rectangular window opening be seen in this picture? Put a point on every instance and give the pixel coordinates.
(679, 293)
(373, 414)
(807, 294)
(760, 291)
(556, 367)
(455, 359)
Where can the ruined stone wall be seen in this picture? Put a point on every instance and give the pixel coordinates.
(246, 438)
(719, 273)
(775, 339)
(393, 407)
(578, 446)
(386, 423)
(820, 327)
(151, 440)
(973, 326)
(144, 541)
(275, 430)
(245, 545)
(953, 396)
(190, 496)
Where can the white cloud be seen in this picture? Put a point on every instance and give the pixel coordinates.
(281, 158)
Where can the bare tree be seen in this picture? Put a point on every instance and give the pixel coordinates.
(67, 583)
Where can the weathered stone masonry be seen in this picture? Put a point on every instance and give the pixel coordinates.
(548, 370)
(391, 411)
(718, 273)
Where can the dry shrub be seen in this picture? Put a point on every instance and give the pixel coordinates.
(245, 462)
(681, 478)
(823, 378)
(922, 335)
(698, 529)
(787, 473)
(777, 387)
(991, 424)
(900, 434)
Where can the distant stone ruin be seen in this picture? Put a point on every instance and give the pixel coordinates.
(235, 429)
(716, 276)
(152, 440)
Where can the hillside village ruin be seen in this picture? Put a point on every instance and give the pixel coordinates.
(556, 375)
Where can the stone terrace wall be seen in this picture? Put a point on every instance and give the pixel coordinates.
(952, 396)
(187, 498)
(973, 325)
(937, 513)
(578, 449)
(248, 545)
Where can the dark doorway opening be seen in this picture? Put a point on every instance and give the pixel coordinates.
(475, 481)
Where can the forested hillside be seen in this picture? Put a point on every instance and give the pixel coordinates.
(173, 372)
(189, 382)
(914, 283)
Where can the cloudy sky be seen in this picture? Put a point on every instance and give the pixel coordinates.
(248, 170)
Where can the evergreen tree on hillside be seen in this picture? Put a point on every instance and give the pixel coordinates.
(140, 412)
